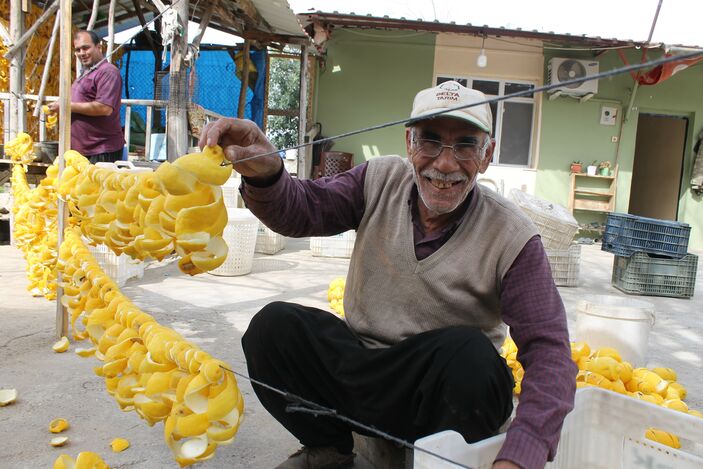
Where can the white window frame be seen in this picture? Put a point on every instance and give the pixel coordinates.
(497, 132)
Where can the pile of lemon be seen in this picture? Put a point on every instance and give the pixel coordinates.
(35, 221)
(335, 295)
(147, 367)
(605, 368)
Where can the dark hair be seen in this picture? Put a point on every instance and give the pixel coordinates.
(93, 37)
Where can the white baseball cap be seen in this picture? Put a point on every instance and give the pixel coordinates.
(451, 94)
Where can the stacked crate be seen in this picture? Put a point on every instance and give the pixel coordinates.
(557, 228)
(651, 256)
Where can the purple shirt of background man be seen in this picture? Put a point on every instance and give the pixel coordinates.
(529, 301)
(92, 135)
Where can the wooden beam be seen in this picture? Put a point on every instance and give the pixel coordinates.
(204, 22)
(19, 41)
(66, 55)
(142, 21)
(47, 65)
(110, 30)
(245, 81)
(304, 156)
(17, 79)
(177, 121)
(93, 15)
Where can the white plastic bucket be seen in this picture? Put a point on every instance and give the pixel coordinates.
(621, 323)
(240, 236)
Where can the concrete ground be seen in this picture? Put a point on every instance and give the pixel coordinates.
(213, 312)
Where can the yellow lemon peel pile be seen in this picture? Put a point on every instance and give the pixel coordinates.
(605, 368)
(335, 295)
(149, 368)
(85, 460)
(35, 222)
(179, 207)
(50, 118)
(7, 396)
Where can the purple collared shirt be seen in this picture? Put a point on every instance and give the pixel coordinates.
(530, 303)
(92, 135)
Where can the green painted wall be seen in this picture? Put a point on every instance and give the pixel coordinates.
(572, 131)
(371, 77)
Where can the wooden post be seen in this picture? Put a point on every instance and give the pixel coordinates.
(47, 64)
(66, 55)
(17, 117)
(177, 110)
(110, 31)
(304, 154)
(245, 81)
(93, 15)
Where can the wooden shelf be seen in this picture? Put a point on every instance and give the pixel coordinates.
(593, 193)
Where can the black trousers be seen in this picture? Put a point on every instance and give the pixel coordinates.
(444, 379)
(107, 157)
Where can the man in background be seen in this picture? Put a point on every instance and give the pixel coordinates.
(96, 132)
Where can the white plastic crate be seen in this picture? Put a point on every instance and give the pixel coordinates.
(119, 268)
(240, 236)
(604, 431)
(230, 192)
(566, 265)
(340, 245)
(268, 241)
(556, 225)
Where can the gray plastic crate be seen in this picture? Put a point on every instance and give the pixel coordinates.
(643, 274)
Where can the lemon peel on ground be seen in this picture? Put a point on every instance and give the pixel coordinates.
(119, 444)
(61, 346)
(58, 425)
(58, 441)
(7, 396)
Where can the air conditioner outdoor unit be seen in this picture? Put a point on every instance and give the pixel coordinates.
(560, 70)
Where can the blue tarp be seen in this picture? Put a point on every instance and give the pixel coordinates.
(216, 83)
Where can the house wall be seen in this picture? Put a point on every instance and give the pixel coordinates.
(455, 55)
(572, 131)
(371, 77)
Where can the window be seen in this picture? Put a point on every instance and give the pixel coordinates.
(512, 118)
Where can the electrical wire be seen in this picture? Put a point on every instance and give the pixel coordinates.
(567, 83)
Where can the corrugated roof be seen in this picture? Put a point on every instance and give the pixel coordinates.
(280, 17)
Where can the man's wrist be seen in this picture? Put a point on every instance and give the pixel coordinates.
(266, 181)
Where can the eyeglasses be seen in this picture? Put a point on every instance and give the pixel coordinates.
(462, 151)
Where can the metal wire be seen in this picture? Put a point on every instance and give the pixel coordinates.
(575, 81)
(299, 404)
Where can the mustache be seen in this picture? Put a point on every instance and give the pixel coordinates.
(444, 177)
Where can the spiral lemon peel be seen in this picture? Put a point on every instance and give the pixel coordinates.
(148, 368)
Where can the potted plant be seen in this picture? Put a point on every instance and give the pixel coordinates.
(592, 168)
(604, 168)
(576, 167)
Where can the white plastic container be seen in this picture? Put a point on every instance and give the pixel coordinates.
(268, 241)
(119, 268)
(230, 192)
(555, 224)
(565, 265)
(240, 236)
(604, 431)
(340, 245)
(613, 321)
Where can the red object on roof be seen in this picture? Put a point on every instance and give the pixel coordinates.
(662, 72)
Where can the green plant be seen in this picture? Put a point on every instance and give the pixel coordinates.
(604, 164)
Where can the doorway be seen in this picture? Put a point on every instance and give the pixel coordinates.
(658, 166)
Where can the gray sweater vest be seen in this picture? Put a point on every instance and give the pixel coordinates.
(390, 295)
